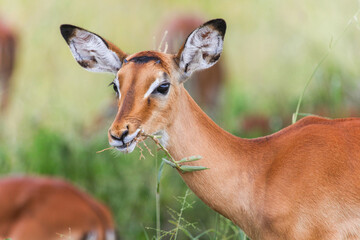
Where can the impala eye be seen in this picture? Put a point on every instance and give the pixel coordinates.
(162, 89)
(114, 87)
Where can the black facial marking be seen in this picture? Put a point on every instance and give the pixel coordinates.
(144, 59)
(148, 101)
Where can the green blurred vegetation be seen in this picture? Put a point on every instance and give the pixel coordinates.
(271, 48)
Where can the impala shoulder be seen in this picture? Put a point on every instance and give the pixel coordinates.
(315, 124)
(310, 123)
(310, 120)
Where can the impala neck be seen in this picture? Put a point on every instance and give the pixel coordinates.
(227, 186)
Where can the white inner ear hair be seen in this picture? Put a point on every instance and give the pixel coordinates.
(91, 52)
(202, 50)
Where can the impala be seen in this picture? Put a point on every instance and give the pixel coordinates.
(45, 208)
(302, 182)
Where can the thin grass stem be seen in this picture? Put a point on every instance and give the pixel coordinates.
(180, 214)
(332, 44)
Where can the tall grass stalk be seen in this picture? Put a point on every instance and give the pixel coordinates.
(181, 212)
(216, 226)
(157, 196)
(332, 44)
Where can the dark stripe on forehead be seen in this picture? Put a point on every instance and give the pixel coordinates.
(149, 56)
(144, 59)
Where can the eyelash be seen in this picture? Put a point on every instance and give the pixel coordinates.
(114, 87)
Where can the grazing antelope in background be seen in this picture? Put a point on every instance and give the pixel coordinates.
(302, 182)
(42, 208)
(7, 62)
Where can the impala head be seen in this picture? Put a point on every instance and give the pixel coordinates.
(147, 83)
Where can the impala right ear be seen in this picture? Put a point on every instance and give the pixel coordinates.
(202, 48)
(91, 51)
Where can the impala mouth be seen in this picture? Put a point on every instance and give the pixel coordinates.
(128, 144)
(127, 147)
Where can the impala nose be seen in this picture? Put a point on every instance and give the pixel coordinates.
(122, 137)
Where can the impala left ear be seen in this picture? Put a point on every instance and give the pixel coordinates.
(202, 48)
(91, 51)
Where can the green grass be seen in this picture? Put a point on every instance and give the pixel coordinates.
(271, 49)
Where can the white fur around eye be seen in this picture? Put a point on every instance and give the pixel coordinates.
(91, 52)
(154, 85)
(117, 84)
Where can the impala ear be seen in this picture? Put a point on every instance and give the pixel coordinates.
(202, 48)
(91, 51)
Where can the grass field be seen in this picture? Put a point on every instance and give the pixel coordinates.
(271, 49)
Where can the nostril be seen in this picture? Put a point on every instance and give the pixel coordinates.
(115, 138)
(124, 134)
(122, 137)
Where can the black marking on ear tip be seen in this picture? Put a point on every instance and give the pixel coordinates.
(67, 31)
(219, 24)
